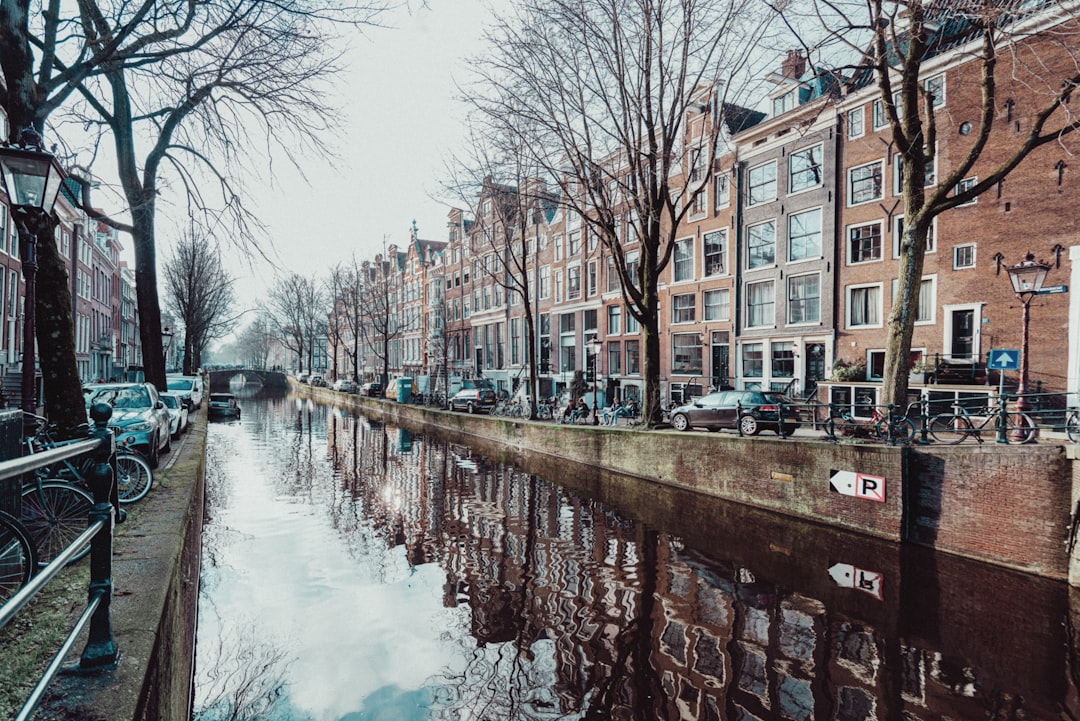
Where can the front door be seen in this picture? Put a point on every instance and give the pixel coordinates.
(721, 369)
(962, 346)
(815, 367)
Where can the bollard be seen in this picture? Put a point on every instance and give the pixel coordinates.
(101, 651)
(780, 420)
(1003, 418)
(924, 421)
(738, 418)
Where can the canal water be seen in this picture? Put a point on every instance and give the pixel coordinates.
(354, 570)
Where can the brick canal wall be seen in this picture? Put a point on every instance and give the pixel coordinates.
(1008, 505)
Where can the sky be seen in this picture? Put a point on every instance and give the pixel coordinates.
(401, 120)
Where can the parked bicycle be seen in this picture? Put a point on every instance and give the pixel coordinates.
(1009, 426)
(18, 556)
(890, 427)
(1072, 425)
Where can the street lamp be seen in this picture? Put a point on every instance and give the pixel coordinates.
(166, 342)
(31, 178)
(594, 347)
(1027, 278)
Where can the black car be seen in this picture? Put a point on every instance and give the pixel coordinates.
(474, 400)
(372, 389)
(750, 411)
(223, 405)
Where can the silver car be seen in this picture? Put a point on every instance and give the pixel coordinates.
(139, 418)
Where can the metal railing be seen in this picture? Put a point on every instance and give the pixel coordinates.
(101, 651)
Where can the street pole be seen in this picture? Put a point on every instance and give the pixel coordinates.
(28, 257)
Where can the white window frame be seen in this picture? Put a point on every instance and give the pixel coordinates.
(963, 185)
(723, 254)
(880, 163)
(768, 264)
(956, 256)
(859, 112)
(688, 258)
(820, 147)
(848, 255)
(768, 322)
(898, 229)
(677, 309)
(897, 179)
(938, 101)
(723, 309)
(721, 179)
(787, 313)
(877, 110)
(790, 218)
(848, 292)
(750, 202)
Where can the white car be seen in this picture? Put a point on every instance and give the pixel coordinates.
(178, 413)
(189, 388)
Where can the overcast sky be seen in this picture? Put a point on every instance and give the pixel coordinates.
(402, 119)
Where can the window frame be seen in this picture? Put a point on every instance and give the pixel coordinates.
(956, 256)
(719, 307)
(771, 262)
(683, 310)
(790, 235)
(791, 299)
(820, 148)
(849, 256)
(722, 254)
(849, 292)
(762, 186)
(880, 165)
(682, 266)
(861, 125)
(767, 322)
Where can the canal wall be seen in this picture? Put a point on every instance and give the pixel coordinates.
(1004, 504)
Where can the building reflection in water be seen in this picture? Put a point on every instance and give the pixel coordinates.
(631, 603)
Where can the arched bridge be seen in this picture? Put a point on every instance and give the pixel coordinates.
(219, 379)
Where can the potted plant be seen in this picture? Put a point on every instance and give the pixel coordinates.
(920, 371)
(849, 370)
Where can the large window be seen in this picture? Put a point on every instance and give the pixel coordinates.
(804, 235)
(721, 192)
(762, 184)
(855, 124)
(761, 244)
(804, 298)
(686, 353)
(715, 245)
(864, 243)
(614, 358)
(633, 358)
(804, 169)
(573, 282)
(632, 325)
(752, 364)
(783, 360)
(717, 304)
(864, 306)
(682, 308)
(614, 320)
(760, 304)
(864, 183)
(683, 260)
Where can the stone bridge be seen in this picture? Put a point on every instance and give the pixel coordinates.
(219, 379)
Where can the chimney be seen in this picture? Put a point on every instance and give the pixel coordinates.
(794, 66)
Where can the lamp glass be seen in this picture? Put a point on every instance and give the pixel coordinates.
(31, 179)
(1028, 276)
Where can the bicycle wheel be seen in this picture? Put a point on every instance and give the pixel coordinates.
(18, 559)
(1072, 427)
(899, 430)
(949, 428)
(133, 477)
(1020, 428)
(54, 514)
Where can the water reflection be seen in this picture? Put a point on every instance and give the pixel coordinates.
(408, 577)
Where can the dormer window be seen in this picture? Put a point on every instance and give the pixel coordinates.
(783, 103)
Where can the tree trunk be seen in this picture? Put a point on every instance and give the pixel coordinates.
(901, 325)
(146, 291)
(56, 337)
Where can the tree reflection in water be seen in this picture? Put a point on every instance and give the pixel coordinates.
(614, 603)
(245, 681)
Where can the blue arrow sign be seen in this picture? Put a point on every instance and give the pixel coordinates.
(1004, 360)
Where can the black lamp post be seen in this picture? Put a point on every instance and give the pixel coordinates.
(166, 343)
(594, 347)
(1027, 278)
(31, 179)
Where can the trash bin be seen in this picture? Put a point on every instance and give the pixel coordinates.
(404, 390)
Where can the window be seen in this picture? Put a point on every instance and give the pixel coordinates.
(686, 353)
(717, 304)
(864, 306)
(762, 184)
(936, 87)
(925, 313)
(545, 281)
(964, 256)
(573, 282)
(611, 277)
(715, 245)
(632, 325)
(721, 193)
(752, 366)
(759, 304)
(515, 341)
(783, 360)
(614, 320)
(804, 298)
(864, 183)
(633, 358)
(573, 244)
(614, 358)
(783, 103)
(881, 119)
(855, 126)
(698, 207)
(593, 280)
(761, 245)
(929, 178)
(632, 261)
(684, 260)
(682, 308)
(864, 243)
(963, 186)
(804, 169)
(898, 236)
(804, 235)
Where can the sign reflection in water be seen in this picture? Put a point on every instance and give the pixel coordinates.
(388, 574)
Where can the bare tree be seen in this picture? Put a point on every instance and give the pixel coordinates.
(342, 287)
(381, 301)
(199, 291)
(254, 342)
(601, 91)
(1030, 45)
(296, 308)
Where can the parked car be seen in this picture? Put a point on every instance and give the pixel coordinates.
(178, 413)
(473, 400)
(344, 385)
(302, 377)
(750, 411)
(317, 381)
(140, 419)
(189, 388)
(223, 405)
(372, 389)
